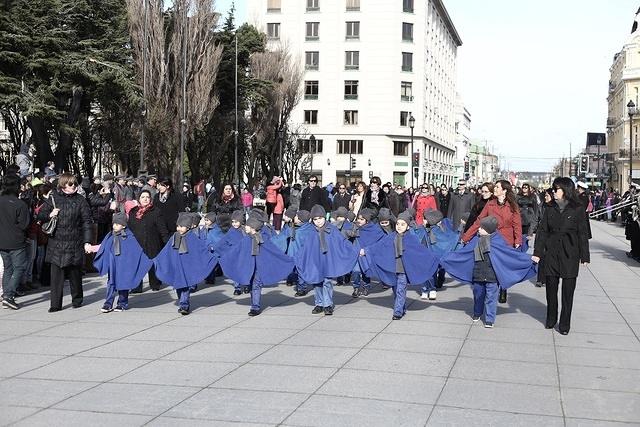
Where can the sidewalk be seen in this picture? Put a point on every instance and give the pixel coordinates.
(218, 367)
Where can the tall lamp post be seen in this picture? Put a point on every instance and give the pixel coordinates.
(631, 109)
(280, 135)
(412, 123)
(312, 147)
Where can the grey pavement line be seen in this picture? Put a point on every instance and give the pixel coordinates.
(555, 354)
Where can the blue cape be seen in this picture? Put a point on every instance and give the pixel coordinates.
(270, 265)
(214, 234)
(448, 224)
(126, 270)
(524, 247)
(188, 269)
(369, 234)
(282, 240)
(446, 240)
(510, 265)
(313, 266)
(419, 263)
(302, 235)
(419, 231)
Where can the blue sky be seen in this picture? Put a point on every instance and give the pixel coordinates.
(241, 9)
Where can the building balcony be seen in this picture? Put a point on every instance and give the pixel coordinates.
(406, 98)
(624, 153)
(350, 97)
(310, 97)
(611, 122)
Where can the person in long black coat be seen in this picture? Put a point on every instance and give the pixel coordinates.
(314, 195)
(562, 242)
(72, 234)
(228, 202)
(375, 198)
(149, 227)
(169, 202)
(486, 191)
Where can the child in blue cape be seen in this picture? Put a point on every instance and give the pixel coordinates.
(237, 224)
(386, 220)
(340, 218)
(300, 231)
(254, 262)
(326, 254)
(400, 260)
(281, 239)
(441, 240)
(267, 231)
(365, 233)
(121, 258)
(185, 261)
(213, 231)
(488, 264)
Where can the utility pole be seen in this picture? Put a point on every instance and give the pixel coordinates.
(141, 167)
(183, 122)
(236, 178)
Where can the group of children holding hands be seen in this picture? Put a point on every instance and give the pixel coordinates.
(312, 251)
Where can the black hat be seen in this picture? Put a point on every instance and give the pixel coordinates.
(211, 216)
(238, 216)
(385, 215)
(107, 177)
(149, 177)
(184, 220)
(318, 211)
(303, 216)
(366, 214)
(433, 216)
(290, 212)
(195, 219)
(120, 177)
(255, 223)
(119, 218)
(411, 211)
(224, 222)
(341, 211)
(259, 214)
(405, 216)
(489, 224)
(351, 216)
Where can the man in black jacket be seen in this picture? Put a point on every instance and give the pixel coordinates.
(314, 195)
(342, 198)
(14, 220)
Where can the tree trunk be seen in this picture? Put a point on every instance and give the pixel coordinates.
(66, 138)
(40, 140)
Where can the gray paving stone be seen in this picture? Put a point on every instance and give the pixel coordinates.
(174, 333)
(63, 346)
(341, 324)
(58, 417)
(252, 335)
(279, 322)
(395, 387)
(512, 335)
(352, 339)
(11, 414)
(240, 406)
(418, 344)
(132, 349)
(135, 317)
(597, 357)
(214, 321)
(178, 373)
(357, 412)
(89, 330)
(128, 398)
(581, 422)
(611, 379)
(76, 368)
(508, 351)
(292, 379)
(601, 341)
(431, 313)
(436, 365)
(428, 329)
(505, 370)
(172, 422)
(14, 364)
(585, 326)
(447, 417)
(488, 395)
(20, 391)
(66, 315)
(324, 357)
(219, 352)
(24, 327)
(603, 405)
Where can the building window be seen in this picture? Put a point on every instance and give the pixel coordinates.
(349, 146)
(352, 60)
(353, 5)
(310, 117)
(350, 89)
(407, 32)
(400, 148)
(350, 117)
(311, 60)
(311, 89)
(406, 91)
(407, 61)
(353, 30)
(313, 5)
(273, 5)
(313, 31)
(404, 118)
(273, 31)
(305, 146)
(407, 6)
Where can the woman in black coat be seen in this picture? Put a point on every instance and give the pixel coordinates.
(562, 242)
(150, 230)
(170, 203)
(228, 201)
(70, 240)
(486, 192)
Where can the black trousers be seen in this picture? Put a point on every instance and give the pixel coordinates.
(154, 282)
(568, 287)
(74, 275)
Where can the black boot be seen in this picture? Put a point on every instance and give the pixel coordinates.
(503, 296)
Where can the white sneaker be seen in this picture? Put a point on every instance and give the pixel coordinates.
(425, 295)
(432, 295)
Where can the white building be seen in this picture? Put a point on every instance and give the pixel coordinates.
(463, 138)
(369, 67)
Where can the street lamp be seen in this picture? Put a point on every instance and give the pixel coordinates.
(312, 143)
(280, 136)
(412, 123)
(631, 109)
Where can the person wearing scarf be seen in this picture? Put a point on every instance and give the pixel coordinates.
(485, 286)
(441, 240)
(121, 258)
(185, 261)
(299, 235)
(343, 220)
(365, 233)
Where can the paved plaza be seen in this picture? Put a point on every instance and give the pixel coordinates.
(218, 367)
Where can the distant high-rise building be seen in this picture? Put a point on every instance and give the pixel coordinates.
(369, 67)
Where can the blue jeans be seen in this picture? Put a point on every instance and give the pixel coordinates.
(430, 284)
(400, 295)
(323, 293)
(14, 262)
(183, 297)
(485, 299)
(123, 297)
(256, 293)
(357, 275)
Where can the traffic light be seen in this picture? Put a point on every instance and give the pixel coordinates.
(353, 163)
(416, 159)
(466, 166)
(584, 164)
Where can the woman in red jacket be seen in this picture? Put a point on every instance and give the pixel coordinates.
(424, 201)
(505, 208)
(272, 194)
